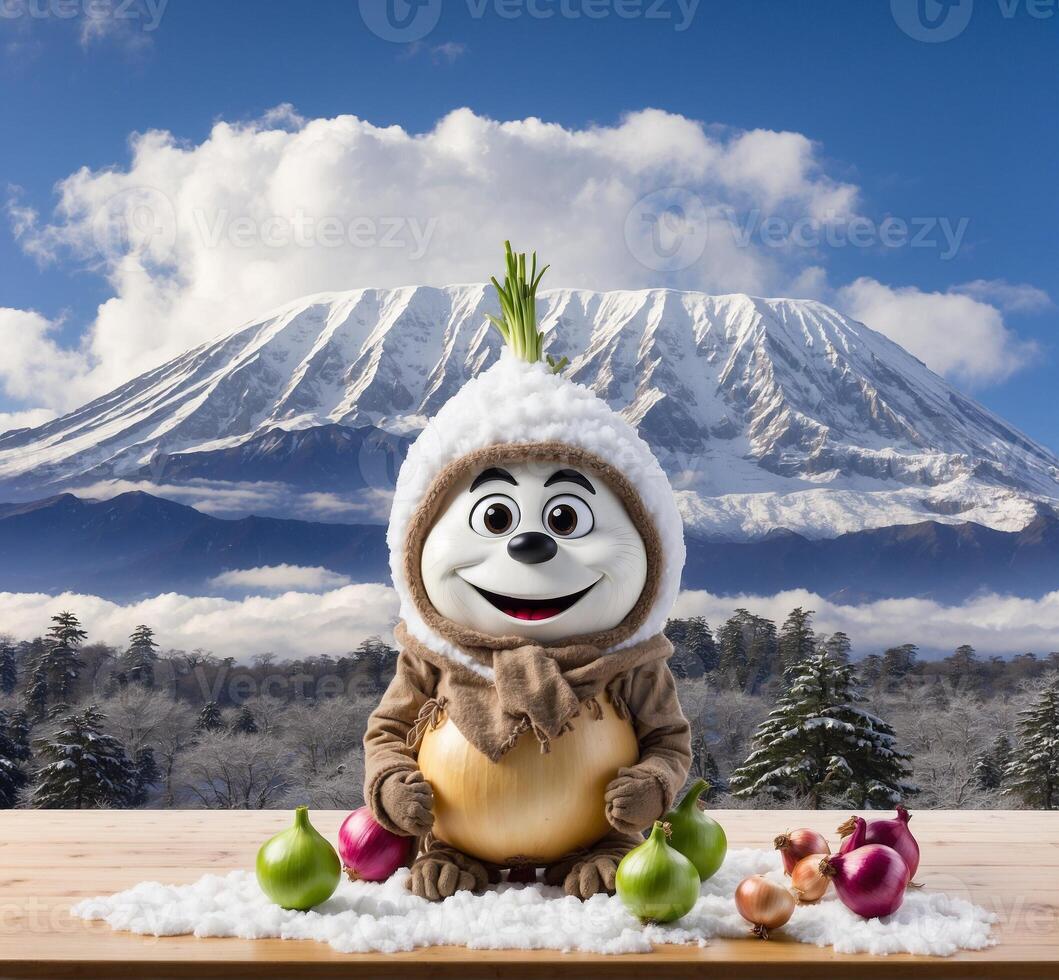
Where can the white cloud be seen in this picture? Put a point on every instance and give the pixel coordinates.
(281, 578)
(195, 239)
(129, 23)
(448, 52)
(955, 334)
(1012, 297)
(221, 498)
(33, 364)
(992, 624)
(292, 624)
(28, 419)
(302, 623)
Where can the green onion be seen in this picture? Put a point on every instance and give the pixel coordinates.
(518, 306)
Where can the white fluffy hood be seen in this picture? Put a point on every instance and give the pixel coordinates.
(514, 402)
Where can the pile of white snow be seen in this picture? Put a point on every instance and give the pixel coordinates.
(362, 917)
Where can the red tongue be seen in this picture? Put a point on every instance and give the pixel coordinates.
(533, 614)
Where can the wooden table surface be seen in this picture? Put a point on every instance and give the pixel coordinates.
(1007, 862)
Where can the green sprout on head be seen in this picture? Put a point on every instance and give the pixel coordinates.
(518, 306)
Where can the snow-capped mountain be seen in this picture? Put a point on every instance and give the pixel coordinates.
(767, 413)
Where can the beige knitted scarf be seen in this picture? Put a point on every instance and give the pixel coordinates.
(533, 688)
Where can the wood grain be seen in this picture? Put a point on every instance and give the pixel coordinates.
(1007, 862)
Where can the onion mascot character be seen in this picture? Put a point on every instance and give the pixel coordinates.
(536, 549)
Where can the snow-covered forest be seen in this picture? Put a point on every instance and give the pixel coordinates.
(781, 717)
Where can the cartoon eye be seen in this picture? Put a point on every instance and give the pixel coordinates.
(568, 516)
(495, 516)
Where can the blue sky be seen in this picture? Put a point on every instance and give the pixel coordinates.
(963, 130)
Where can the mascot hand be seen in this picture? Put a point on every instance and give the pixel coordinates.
(409, 802)
(441, 872)
(634, 800)
(584, 877)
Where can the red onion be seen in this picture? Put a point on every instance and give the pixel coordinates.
(870, 880)
(797, 844)
(893, 833)
(852, 832)
(368, 850)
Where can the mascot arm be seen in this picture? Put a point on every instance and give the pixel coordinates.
(399, 797)
(640, 794)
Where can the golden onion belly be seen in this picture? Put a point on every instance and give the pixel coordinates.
(530, 806)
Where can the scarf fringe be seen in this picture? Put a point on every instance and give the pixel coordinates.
(430, 716)
(621, 709)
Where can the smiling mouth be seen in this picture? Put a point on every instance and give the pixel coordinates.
(533, 610)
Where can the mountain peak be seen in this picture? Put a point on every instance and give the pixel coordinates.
(766, 412)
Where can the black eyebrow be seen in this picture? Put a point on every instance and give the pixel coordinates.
(491, 474)
(570, 476)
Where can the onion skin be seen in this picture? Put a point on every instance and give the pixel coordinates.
(870, 880)
(808, 883)
(298, 868)
(853, 831)
(700, 838)
(369, 852)
(655, 882)
(893, 833)
(539, 807)
(797, 844)
(764, 904)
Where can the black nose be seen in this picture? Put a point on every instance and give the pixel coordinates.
(532, 547)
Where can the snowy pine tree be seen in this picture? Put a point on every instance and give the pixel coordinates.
(695, 651)
(762, 651)
(838, 646)
(145, 775)
(140, 659)
(83, 767)
(797, 641)
(210, 718)
(990, 765)
(1033, 772)
(8, 669)
(704, 765)
(899, 661)
(12, 774)
(819, 745)
(244, 722)
(62, 664)
(36, 694)
(18, 731)
(733, 658)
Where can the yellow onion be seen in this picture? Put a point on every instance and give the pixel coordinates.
(530, 808)
(808, 882)
(655, 882)
(764, 904)
(298, 868)
(698, 837)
